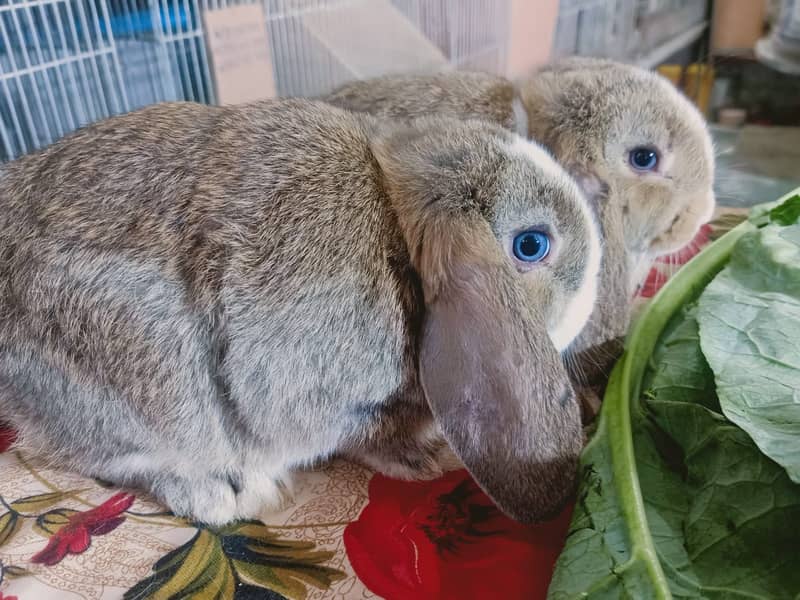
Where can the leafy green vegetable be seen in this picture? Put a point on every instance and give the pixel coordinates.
(783, 212)
(718, 512)
(786, 213)
(728, 508)
(677, 501)
(750, 330)
(600, 560)
(611, 551)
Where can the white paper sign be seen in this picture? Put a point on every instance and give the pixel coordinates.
(239, 54)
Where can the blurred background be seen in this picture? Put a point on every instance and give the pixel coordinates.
(66, 63)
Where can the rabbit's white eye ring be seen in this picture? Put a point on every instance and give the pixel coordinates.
(643, 158)
(531, 246)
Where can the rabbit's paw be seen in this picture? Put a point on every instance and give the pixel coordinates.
(422, 461)
(209, 500)
(261, 494)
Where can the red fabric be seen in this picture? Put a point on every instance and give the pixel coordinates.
(665, 266)
(444, 539)
(75, 536)
(655, 280)
(688, 252)
(7, 437)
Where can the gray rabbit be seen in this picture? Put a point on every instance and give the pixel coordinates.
(640, 150)
(197, 300)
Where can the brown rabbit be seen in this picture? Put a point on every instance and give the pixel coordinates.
(640, 150)
(197, 300)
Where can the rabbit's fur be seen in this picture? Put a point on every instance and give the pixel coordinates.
(589, 113)
(197, 300)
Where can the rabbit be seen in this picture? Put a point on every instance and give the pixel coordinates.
(199, 300)
(639, 149)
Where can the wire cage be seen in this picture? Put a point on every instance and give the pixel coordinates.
(58, 70)
(66, 63)
(319, 44)
(161, 50)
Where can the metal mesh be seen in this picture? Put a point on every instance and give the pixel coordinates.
(66, 63)
(58, 71)
(469, 34)
(302, 65)
(472, 34)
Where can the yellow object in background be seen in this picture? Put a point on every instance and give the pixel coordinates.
(672, 72)
(694, 80)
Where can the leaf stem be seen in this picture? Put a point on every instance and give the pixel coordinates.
(624, 389)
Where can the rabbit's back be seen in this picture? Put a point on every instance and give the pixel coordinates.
(466, 95)
(167, 175)
(159, 269)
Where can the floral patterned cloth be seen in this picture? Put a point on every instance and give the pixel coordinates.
(348, 534)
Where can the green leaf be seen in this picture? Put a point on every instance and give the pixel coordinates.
(786, 213)
(198, 569)
(723, 519)
(52, 521)
(678, 369)
(675, 500)
(735, 503)
(163, 571)
(611, 551)
(265, 577)
(14, 572)
(32, 504)
(750, 329)
(719, 496)
(9, 525)
(242, 556)
(781, 212)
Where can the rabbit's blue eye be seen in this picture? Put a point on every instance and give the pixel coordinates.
(643, 159)
(531, 246)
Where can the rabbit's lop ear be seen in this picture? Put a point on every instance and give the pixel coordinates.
(488, 361)
(496, 383)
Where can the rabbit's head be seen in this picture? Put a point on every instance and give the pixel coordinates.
(637, 147)
(632, 140)
(508, 252)
(643, 156)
